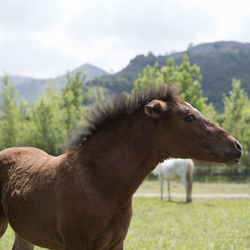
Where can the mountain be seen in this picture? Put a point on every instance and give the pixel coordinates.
(219, 62)
(30, 88)
(91, 72)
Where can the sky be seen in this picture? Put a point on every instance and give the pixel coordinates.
(46, 38)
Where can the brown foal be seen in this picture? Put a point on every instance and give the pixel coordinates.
(83, 198)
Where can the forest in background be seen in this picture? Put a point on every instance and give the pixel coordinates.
(219, 63)
(51, 120)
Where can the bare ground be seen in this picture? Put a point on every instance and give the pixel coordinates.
(198, 196)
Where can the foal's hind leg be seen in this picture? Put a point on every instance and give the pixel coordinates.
(21, 244)
(3, 226)
(3, 222)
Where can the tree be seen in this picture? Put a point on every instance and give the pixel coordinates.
(151, 76)
(49, 121)
(186, 77)
(26, 125)
(96, 95)
(9, 115)
(47, 128)
(72, 97)
(237, 118)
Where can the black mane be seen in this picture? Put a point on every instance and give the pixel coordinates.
(119, 107)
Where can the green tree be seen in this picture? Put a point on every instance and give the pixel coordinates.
(47, 128)
(96, 95)
(72, 97)
(9, 115)
(186, 77)
(237, 118)
(151, 76)
(27, 124)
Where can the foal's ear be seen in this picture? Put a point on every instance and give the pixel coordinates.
(155, 108)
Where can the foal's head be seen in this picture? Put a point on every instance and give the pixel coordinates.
(184, 132)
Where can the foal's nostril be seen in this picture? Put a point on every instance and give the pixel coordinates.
(238, 146)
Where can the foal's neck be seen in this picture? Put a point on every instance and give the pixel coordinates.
(124, 153)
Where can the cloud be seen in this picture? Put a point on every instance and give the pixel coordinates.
(30, 57)
(28, 15)
(45, 38)
(143, 23)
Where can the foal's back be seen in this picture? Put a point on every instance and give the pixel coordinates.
(25, 162)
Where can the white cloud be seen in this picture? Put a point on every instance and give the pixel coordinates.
(28, 15)
(46, 38)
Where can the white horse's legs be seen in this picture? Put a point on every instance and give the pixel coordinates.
(188, 190)
(161, 183)
(189, 180)
(169, 194)
(176, 169)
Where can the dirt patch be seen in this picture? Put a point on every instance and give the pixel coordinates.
(199, 196)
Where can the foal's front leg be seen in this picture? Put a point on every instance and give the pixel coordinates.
(21, 244)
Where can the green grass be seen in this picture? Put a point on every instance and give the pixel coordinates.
(7, 240)
(200, 225)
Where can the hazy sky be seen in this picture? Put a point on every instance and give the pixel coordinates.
(45, 38)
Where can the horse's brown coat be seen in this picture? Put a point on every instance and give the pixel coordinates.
(83, 198)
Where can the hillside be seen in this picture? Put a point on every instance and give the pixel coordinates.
(220, 62)
(30, 88)
(90, 70)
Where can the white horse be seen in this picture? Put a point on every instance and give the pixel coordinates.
(173, 169)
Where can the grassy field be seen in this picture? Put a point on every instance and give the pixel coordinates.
(203, 224)
(200, 225)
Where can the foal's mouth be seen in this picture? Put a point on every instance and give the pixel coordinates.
(232, 154)
(232, 159)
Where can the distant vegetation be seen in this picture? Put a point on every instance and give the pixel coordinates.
(49, 121)
(219, 63)
(30, 89)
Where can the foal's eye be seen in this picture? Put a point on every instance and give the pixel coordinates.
(189, 118)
